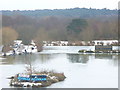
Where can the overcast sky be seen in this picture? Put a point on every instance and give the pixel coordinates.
(56, 4)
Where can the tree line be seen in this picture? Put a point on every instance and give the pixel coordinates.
(71, 12)
(50, 28)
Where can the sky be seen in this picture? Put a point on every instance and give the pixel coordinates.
(56, 4)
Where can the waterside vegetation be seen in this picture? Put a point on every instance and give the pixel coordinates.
(37, 79)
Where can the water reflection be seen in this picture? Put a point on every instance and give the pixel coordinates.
(8, 60)
(113, 58)
(23, 59)
(44, 58)
(103, 56)
(84, 58)
(78, 58)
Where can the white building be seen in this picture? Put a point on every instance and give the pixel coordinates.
(104, 42)
(55, 43)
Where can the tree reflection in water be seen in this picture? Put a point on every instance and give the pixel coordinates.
(103, 56)
(78, 58)
(22, 59)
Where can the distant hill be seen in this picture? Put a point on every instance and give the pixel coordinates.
(73, 12)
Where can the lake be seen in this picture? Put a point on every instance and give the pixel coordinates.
(81, 70)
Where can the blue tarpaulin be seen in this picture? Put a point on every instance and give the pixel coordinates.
(31, 79)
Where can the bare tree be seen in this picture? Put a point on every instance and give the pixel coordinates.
(8, 35)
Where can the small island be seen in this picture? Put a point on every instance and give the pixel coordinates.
(37, 79)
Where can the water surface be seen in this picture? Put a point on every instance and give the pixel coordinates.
(81, 70)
